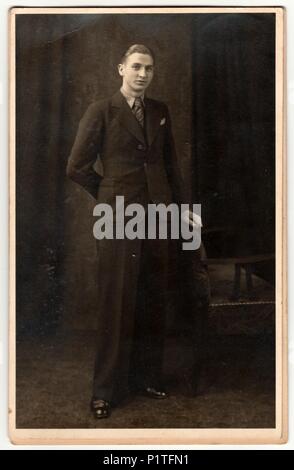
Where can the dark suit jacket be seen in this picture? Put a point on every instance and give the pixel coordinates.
(135, 161)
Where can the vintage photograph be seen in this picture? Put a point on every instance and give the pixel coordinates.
(147, 225)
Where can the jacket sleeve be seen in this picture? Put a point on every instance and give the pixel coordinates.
(172, 167)
(87, 145)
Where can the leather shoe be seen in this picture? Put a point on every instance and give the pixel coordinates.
(101, 408)
(152, 392)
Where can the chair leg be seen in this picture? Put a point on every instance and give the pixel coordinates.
(237, 283)
(249, 283)
(199, 336)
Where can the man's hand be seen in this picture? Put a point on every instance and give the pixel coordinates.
(194, 220)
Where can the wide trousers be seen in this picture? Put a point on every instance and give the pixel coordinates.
(132, 278)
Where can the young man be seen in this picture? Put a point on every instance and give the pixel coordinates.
(132, 135)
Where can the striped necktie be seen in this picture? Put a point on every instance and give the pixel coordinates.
(138, 110)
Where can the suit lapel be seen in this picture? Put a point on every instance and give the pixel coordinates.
(152, 120)
(126, 117)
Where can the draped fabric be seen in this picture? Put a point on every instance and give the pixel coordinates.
(215, 72)
(234, 132)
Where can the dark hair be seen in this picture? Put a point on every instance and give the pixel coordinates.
(140, 49)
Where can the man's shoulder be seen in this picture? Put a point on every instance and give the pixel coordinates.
(98, 105)
(96, 110)
(156, 103)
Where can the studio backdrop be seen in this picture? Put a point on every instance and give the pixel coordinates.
(216, 73)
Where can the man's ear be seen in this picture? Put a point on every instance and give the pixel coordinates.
(120, 69)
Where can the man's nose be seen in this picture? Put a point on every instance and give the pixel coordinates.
(143, 72)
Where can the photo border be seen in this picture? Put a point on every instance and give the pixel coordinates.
(277, 435)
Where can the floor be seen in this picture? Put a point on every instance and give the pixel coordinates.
(54, 385)
(54, 374)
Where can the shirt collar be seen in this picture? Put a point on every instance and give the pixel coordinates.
(131, 99)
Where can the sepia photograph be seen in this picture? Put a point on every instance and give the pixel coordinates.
(147, 225)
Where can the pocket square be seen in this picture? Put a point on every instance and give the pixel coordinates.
(162, 122)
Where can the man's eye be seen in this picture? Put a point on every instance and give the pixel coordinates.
(136, 67)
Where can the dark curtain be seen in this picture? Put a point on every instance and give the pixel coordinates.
(234, 132)
(40, 107)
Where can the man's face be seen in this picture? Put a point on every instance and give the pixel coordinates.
(137, 72)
